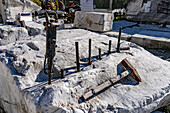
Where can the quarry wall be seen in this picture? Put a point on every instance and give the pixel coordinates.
(146, 11)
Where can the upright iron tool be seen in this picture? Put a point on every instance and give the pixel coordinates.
(50, 26)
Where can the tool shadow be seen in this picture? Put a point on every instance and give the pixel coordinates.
(85, 63)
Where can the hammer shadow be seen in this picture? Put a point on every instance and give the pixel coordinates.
(127, 80)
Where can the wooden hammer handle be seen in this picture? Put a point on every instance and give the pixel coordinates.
(105, 85)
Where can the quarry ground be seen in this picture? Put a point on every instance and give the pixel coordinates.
(163, 54)
(25, 59)
(149, 32)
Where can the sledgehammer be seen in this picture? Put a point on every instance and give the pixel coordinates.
(130, 70)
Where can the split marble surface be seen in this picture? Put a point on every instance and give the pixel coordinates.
(25, 59)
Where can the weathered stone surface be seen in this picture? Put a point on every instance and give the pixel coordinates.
(145, 35)
(124, 46)
(151, 41)
(135, 12)
(93, 21)
(34, 28)
(11, 98)
(134, 7)
(10, 34)
(63, 95)
(33, 46)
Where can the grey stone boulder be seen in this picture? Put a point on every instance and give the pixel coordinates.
(33, 46)
(34, 28)
(26, 58)
(10, 34)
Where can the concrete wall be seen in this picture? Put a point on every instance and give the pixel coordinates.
(11, 99)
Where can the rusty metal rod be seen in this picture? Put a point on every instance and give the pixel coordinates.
(118, 43)
(62, 73)
(89, 61)
(49, 70)
(77, 57)
(49, 79)
(110, 43)
(100, 54)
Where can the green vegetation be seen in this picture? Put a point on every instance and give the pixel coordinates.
(120, 17)
(37, 2)
(104, 4)
(101, 4)
(120, 3)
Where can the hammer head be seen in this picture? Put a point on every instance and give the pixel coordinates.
(133, 73)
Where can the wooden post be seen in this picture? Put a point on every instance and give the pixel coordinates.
(89, 61)
(118, 43)
(77, 57)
